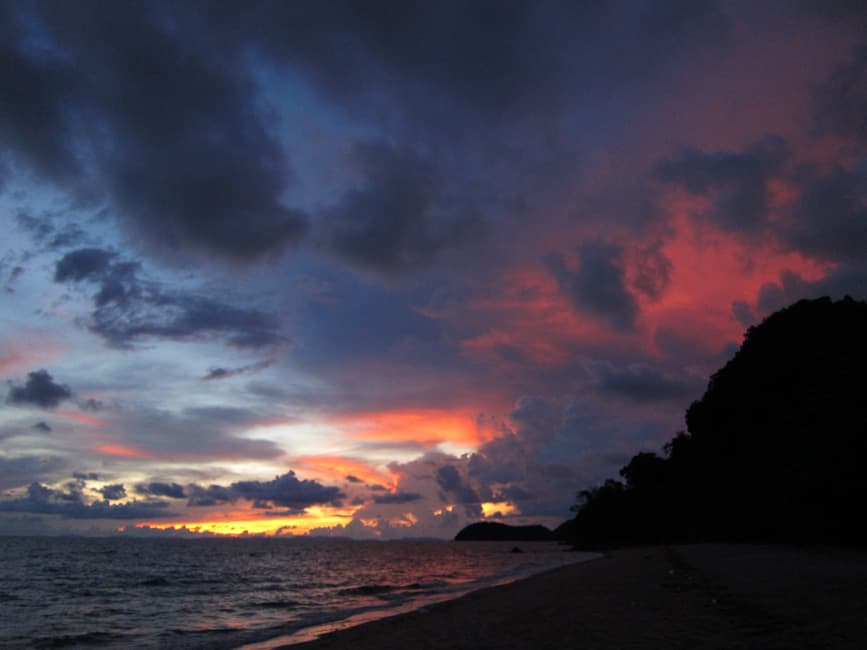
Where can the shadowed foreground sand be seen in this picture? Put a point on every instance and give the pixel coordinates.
(768, 597)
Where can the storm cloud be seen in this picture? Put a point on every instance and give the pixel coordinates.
(598, 285)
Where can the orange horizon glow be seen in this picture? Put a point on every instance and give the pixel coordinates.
(314, 517)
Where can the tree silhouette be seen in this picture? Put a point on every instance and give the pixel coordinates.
(774, 450)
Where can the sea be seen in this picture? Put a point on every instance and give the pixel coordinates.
(251, 593)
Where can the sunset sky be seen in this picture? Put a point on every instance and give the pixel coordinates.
(381, 269)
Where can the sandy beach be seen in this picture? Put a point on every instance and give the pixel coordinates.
(708, 596)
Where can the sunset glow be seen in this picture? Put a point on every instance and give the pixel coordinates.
(317, 272)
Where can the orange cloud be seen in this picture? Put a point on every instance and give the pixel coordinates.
(124, 451)
(710, 269)
(83, 418)
(339, 467)
(427, 427)
(535, 322)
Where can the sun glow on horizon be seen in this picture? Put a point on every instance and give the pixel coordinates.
(301, 524)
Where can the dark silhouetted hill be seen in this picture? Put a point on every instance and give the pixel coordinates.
(489, 531)
(775, 450)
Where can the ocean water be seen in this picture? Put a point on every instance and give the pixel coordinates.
(233, 592)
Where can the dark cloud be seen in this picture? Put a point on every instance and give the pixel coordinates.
(85, 476)
(211, 495)
(82, 264)
(353, 479)
(19, 471)
(450, 481)
(830, 219)
(285, 491)
(743, 313)
(397, 497)
(597, 286)
(737, 182)
(39, 390)
(128, 309)
(226, 373)
(157, 111)
(42, 426)
(845, 280)
(41, 499)
(840, 103)
(160, 489)
(397, 220)
(158, 314)
(640, 382)
(112, 492)
(33, 121)
(196, 167)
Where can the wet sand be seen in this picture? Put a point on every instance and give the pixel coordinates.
(708, 596)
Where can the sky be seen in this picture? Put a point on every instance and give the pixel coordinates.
(383, 269)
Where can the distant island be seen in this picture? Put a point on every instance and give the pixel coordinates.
(775, 450)
(489, 531)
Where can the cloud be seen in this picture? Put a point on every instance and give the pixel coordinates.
(598, 285)
(16, 471)
(128, 309)
(846, 279)
(42, 426)
(640, 382)
(211, 495)
(82, 264)
(653, 271)
(199, 168)
(397, 497)
(840, 103)
(226, 373)
(743, 313)
(160, 489)
(39, 390)
(197, 434)
(112, 492)
(285, 491)
(41, 499)
(397, 220)
(736, 182)
(829, 220)
(450, 481)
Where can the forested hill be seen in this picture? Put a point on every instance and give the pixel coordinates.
(489, 531)
(775, 450)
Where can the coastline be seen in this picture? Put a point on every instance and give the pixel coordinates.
(704, 596)
(312, 633)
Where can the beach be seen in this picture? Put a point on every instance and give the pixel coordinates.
(704, 596)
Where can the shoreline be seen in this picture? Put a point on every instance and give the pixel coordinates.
(307, 635)
(703, 596)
